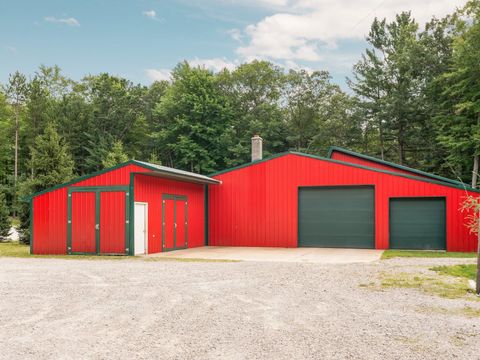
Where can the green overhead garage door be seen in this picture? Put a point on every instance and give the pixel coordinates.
(417, 223)
(340, 217)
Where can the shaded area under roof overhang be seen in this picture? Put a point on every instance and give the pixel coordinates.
(180, 177)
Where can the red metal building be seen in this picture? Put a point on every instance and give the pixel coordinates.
(287, 200)
(277, 202)
(95, 214)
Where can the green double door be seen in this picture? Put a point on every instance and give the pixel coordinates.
(174, 222)
(339, 217)
(98, 220)
(417, 223)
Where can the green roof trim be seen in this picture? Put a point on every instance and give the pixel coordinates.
(155, 168)
(391, 164)
(437, 182)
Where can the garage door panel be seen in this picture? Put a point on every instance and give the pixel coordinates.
(417, 223)
(336, 217)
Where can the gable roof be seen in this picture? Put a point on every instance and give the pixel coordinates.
(452, 184)
(159, 170)
(393, 165)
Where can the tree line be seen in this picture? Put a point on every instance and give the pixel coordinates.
(413, 98)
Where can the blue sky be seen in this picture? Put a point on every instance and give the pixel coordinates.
(143, 39)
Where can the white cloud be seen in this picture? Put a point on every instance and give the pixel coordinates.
(235, 34)
(304, 34)
(303, 30)
(151, 14)
(214, 64)
(270, 3)
(292, 65)
(67, 21)
(158, 74)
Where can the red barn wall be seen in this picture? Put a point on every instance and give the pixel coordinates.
(50, 210)
(258, 205)
(117, 177)
(336, 155)
(50, 222)
(149, 189)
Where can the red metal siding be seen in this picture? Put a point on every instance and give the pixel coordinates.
(257, 205)
(120, 176)
(112, 222)
(149, 189)
(83, 222)
(336, 155)
(50, 222)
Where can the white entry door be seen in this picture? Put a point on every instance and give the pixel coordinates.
(141, 242)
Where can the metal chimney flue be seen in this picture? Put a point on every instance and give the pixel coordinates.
(257, 148)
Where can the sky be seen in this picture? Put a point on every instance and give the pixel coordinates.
(142, 40)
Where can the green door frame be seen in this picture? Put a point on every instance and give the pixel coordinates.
(174, 198)
(97, 190)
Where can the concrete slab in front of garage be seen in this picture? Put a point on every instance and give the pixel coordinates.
(308, 255)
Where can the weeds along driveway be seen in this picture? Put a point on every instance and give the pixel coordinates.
(81, 309)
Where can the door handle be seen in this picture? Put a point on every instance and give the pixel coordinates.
(175, 225)
(97, 226)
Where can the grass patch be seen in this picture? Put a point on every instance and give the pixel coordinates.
(463, 271)
(470, 312)
(389, 254)
(15, 249)
(448, 288)
(466, 311)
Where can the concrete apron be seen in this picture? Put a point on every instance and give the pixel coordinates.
(305, 255)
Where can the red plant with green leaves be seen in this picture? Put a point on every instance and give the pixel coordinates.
(471, 204)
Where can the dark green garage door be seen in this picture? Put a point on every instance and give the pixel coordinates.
(336, 217)
(417, 223)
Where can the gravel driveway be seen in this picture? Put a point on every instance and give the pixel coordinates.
(136, 309)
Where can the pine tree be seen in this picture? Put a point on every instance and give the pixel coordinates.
(390, 82)
(52, 159)
(115, 156)
(459, 120)
(39, 108)
(154, 159)
(54, 166)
